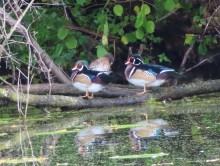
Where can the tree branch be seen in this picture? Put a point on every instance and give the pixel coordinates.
(78, 103)
(42, 57)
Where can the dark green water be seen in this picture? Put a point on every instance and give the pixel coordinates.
(185, 132)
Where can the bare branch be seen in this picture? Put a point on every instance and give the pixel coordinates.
(6, 82)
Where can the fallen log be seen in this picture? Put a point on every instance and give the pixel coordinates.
(111, 91)
(160, 94)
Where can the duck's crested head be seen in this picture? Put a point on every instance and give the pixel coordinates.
(135, 60)
(80, 65)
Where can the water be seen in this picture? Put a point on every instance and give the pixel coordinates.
(184, 132)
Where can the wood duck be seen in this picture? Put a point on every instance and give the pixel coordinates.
(89, 138)
(87, 80)
(102, 64)
(147, 75)
(148, 130)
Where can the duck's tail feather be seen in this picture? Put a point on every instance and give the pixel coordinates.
(105, 78)
(170, 74)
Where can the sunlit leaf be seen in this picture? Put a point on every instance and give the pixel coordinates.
(106, 29)
(140, 19)
(131, 37)
(202, 49)
(124, 40)
(146, 9)
(59, 49)
(149, 26)
(105, 34)
(101, 51)
(105, 40)
(136, 9)
(139, 33)
(62, 33)
(118, 10)
(190, 39)
(169, 5)
(71, 42)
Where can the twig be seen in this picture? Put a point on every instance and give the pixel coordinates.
(217, 31)
(6, 82)
(114, 52)
(203, 61)
(200, 63)
(141, 49)
(19, 20)
(210, 20)
(8, 36)
(167, 15)
(30, 144)
(21, 144)
(64, 8)
(130, 51)
(186, 56)
(28, 81)
(88, 32)
(18, 95)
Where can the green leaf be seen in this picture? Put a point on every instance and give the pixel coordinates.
(105, 40)
(196, 18)
(146, 9)
(71, 42)
(140, 19)
(101, 51)
(62, 33)
(169, 5)
(124, 40)
(163, 58)
(149, 26)
(58, 49)
(102, 17)
(106, 29)
(202, 49)
(131, 37)
(118, 10)
(132, 18)
(105, 34)
(139, 33)
(214, 40)
(81, 2)
(136, 9)
(190, 39)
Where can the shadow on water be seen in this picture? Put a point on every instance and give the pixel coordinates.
(184, 132)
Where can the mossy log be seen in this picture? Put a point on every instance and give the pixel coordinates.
(129, 96)
(110, 91)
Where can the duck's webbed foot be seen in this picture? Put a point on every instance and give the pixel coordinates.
(92, 96)
(86, 95)
(145, 91)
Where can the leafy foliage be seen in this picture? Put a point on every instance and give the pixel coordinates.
(128, 24)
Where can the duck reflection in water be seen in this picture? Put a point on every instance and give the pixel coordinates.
(90, 139)
(152, 129)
